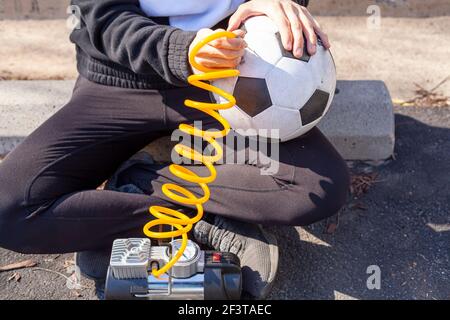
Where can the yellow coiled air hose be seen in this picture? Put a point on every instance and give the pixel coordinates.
(170, 217)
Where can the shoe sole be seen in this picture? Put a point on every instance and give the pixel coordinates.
(274, 257)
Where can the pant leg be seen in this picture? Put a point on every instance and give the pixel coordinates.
(311, 184)
(48, 201)
(48, 197)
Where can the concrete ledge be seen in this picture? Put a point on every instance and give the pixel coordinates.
(360, 123)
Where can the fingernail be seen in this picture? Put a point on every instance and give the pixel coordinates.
(298, 53)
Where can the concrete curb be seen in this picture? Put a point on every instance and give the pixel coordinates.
(360, 123)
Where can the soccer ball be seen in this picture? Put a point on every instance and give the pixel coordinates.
(275, 90)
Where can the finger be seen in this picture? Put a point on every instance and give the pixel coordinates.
(227, 54)
(239, 33)
(296, 29)
(218, 63)
(224, 43)
(279, 17)
(324, 37)
(204, 32)
(318, 30)
(308, 30)
(229, 43)
(242, 13)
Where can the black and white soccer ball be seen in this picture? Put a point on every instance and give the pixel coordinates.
(275, 90)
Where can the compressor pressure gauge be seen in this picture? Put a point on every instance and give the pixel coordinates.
(190, 253)
(190, 262)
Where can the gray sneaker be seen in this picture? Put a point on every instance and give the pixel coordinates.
(256, 248)
(94, 265)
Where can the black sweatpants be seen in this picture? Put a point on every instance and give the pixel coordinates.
(48, 197)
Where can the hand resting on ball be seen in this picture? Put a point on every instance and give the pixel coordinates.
(293, 21)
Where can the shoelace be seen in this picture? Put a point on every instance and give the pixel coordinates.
(222, 237)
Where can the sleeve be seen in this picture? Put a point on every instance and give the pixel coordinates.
(302, 2)
(121, 32)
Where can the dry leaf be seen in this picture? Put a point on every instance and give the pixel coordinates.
(426, 98)
(331, 228)
(19, 265)
(361, 184)
(77, 294)
(358, 206)
(15, 276)
(68, 263)
(332, 224)
(53, 258)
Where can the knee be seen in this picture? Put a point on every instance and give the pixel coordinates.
(15, 236)
(12, 223)
(334, 195)
(326, 197)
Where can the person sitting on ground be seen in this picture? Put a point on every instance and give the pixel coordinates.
(132, 58)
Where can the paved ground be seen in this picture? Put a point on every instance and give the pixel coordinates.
(402, 225)
(405, 229)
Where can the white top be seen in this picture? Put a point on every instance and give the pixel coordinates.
(191, 15)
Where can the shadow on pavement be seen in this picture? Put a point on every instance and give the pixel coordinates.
(405, 229)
